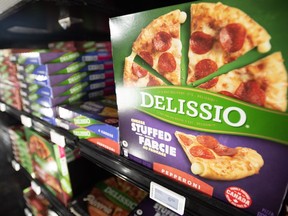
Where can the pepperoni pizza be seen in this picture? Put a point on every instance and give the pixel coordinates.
(263, 83)
(160, 46)
(213, 160)
(135, 75)
(219, 34)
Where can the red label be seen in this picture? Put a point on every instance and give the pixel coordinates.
(238, 197)
(106, 144)
(183, 178)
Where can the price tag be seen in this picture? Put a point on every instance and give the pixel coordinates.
(15, 165)
(36, 188)
(26, 121)
(167, 198)
(58, 139)
(2, 107)
(27, 212)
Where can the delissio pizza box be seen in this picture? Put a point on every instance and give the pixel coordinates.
(56, 91)
(99, 137)
(38, 204)
(66, 79)
(50, 165)
(62, 46)
(64, 68)
(90, 46)
(109, 197)
(202, 97)
(67, 99)
(41, 58)
(96, 121)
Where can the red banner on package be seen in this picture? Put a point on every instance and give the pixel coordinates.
(106, 144)
(183, 178)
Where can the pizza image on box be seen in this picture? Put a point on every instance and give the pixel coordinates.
(213, 160)
(219, 35)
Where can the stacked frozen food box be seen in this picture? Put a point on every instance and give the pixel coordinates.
(80, 46)
(9, 84)
(38, 205)
(20, 148)
(50, 163)
(207, 105)
(95, 121)
(53, 78)
(111, 196)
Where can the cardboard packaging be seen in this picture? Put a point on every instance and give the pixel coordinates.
(96, 121)
(111, 196)
(40, 58)
(196, 106)
(50, 165)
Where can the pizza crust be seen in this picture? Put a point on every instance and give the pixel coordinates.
(169, 23)
(269, 72)
(211, 18)
(130, 79)
(246, 162)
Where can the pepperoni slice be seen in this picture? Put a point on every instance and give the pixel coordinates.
(138, 71)
(147, 57)
(162, 41)
(200, 42)
(251, 92)
(185, 140)
(166, 63)
(202, 152)
(202, 69)
(232, 37)
(222, 150)
(207, 141)
(229, 94)
(153, 82)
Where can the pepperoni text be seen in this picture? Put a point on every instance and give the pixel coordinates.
(193, 109)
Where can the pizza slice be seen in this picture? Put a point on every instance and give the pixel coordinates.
(219, 35)
(160, 46)
(213, 160)
(136, 76)
(263, 83)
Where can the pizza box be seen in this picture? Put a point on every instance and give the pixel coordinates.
(67, 99)
(88, 46)
(64, 68)
(110, 196)
(98, 116)
(56, 91)
(50, 165)
(38, 204)
(195, 87)
(40, 58)
(62, 46)
(66, 79)
(101, 137)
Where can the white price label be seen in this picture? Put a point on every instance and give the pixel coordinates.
(27, 212)
(167, 198)
(58, 139)
(26, 121)
(15, 165)
(35, 187)
(2, 107)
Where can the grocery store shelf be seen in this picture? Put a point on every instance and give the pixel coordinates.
(197, 204)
